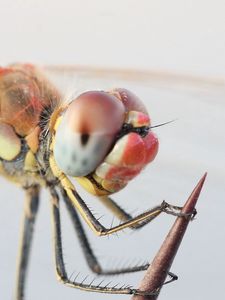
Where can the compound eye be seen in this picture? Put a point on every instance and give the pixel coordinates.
(87, 132)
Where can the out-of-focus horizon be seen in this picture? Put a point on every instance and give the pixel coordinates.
(174, 37)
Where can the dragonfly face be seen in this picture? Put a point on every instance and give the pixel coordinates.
(104, 138)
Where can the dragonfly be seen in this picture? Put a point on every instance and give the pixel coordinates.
(102, 139)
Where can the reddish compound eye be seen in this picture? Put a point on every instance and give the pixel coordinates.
(87, 131)
(128, 157)
(133, 151)
(130, 100)
(151, 147)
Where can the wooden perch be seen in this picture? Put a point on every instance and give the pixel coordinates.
(157, 272)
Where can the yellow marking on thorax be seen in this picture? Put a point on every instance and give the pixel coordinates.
(20, 180)
(33, 139)
(30, 163)
(10, 144)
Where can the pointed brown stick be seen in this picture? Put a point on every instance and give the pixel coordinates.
(157, 272)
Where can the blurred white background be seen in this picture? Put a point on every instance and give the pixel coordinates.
(176, 35)
(185, 37)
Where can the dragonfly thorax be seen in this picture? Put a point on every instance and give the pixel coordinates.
(27, 99)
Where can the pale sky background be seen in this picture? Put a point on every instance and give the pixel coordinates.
(179, 35)
(185, 37)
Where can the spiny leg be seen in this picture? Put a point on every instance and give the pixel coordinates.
(97, 227)
(91, 258)
(60, 266)
(120, 213)
(29, 217)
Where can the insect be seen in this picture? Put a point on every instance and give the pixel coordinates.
(103, 139)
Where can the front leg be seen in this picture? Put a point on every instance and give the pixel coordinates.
(120, 213)
(97, 227)
(27, 228)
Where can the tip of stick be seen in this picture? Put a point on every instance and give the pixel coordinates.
(193, 198)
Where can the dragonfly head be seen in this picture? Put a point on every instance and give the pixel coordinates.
(104, 139)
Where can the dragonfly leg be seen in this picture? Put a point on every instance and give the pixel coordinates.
(120, 213)
(60, 265)
(97, 227)
(91, 258)
(29, 217)
(86, 247)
